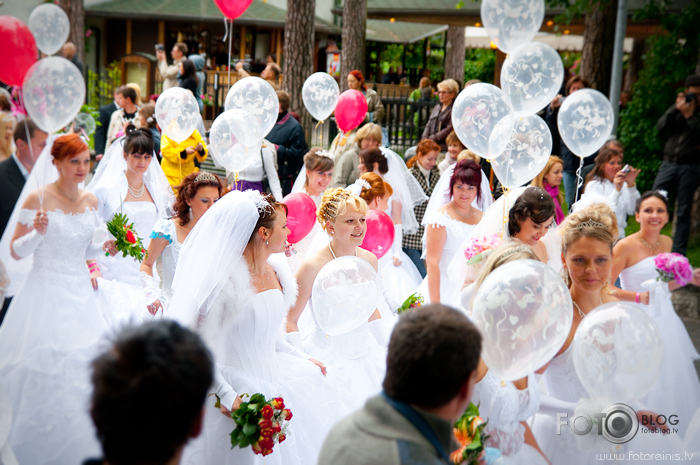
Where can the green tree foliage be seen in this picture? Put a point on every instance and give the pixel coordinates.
(670, 57)
(480, 64)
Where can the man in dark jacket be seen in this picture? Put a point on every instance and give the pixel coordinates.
(680, 127)
(104, 119)
(288, 137)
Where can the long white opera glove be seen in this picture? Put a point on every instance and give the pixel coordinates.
(398, 240)
(94, 250)
(282, 345)
(389, 297)
(152, 292)
(378, 330)
(25, 245)
(552, 406)
(227, 395)
(294, 339)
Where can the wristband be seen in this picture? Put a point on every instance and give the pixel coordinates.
(636, 297)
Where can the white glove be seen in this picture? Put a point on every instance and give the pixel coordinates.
(294, 339)
(24, 246)
(152, 292)
(376, 327)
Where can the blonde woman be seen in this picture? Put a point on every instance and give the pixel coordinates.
(6, 143)
(440, 123)
(347, 165)
(550, 179)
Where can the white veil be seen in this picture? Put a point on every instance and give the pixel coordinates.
(110, 186)
(299, 182)
(43, 173)
(406, 188)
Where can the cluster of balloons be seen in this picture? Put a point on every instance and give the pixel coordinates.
(500, 124)
(321, 96)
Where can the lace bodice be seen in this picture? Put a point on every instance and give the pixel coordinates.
(60, 258)
(456, 232)
(165, 229)
(632, 277)
(505, 406)
(562, 380)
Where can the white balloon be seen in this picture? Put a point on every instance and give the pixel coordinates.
(585, 121)
(512, 23)
(527, 150)
(320, 95)
(344, 295)
(50, 26)
(475, 113)
(618, 351)
(86, 122)
(53, 91)
(177, 113)
(524, 312)
(531, 77)
(235, 140)
(257, 97)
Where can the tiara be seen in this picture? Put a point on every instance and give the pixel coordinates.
(518, 249)
(150, 119)
(205, 176)
(663, 193)
(261, 204)
(325, 153)
(590, 224)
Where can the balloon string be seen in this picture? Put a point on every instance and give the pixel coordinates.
(506, 191)
(579, 181)
(230, 39)
(320, 133)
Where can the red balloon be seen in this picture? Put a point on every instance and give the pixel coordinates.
(17, 50)
(301, 216)
(380, 233)
(232, 9)
(350, 110)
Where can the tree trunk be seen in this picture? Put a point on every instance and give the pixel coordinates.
(299, 54)
(352, 55)
(76, 14)
(454, 54)
(634, 65)
(598, 42)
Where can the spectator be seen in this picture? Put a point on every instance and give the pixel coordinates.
(471, 81)
(148, 120)
(549, 180)
(271, 74)
(7, 128)
(424, 93)
(440, 123)
(571, 161)
(454, 148)
(137, 89)
(347, 165)
(609, 144)
(153, 98)
(424, 168)
(680, 170)
(261, 175)
(169, 73)
(127, 114)
(341, 143)
(149, 393)
(104, 119)
(187, 79)
(221, 55)
(198, 62)
(271, 58)
(288, 137)
(391, 77)
(178, 158)
(70, 53)
(375, 107)
(431, 370)
(14, 172)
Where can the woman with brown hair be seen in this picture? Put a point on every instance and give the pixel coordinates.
(347, 165)
(195, 196)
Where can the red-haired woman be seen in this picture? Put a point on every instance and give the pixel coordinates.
(53, 325)
(195, 196)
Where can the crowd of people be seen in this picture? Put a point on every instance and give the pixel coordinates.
(222, 307)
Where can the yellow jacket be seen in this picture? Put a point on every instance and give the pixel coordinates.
(174, 167)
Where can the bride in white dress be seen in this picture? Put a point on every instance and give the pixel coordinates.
(449, 218)
(356, 360)
(195, 196)
(54, 326)
(230, 289)
(128, 181)
(677, 388)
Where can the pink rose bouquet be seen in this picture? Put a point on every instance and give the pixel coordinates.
(673, 266)
(474, 253)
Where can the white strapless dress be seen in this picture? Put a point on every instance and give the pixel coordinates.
(52, 331)
(505, 407)
(120, 291)
(677, 389)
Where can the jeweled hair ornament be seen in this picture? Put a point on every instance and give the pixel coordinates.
(590, 224)
(261, 204)
(205, 176)
(662, 193)
(325, 153)
(518, 249)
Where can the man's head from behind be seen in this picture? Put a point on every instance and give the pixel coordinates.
(149, 391)
(432, 359)
(271, 72)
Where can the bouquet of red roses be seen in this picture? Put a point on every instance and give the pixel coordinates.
(260, 423)
(127, 241)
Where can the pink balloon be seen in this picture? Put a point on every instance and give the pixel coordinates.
(232, 9)
(301, 216)
(380, 233)
(350, 110)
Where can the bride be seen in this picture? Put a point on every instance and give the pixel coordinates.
(234, 293)
(54, 326)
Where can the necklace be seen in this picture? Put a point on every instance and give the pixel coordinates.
(649, 246)
(471, 210)
(333, 253)
(72, 199)
(581, 314)
(136, 192)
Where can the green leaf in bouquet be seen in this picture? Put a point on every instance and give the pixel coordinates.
(476, 259)
(250, 429)
(234, 438)
(245, 442)
(475, 444)
(257, 398)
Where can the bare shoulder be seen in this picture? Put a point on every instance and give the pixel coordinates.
(666, 242)
(313, 264)
(32, 201)
(369, 257)
(90, 199)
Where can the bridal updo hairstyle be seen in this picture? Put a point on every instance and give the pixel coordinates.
(335, 203)
(268, 216)
(315, 162)
(377, 187)
(68, 146)
(466, 172)
(369, 157)
(648, 194)
(534, 203)
(188, 189)
(138, 141)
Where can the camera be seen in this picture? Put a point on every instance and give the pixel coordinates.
(626, 169)
(160, 47)
(690, 96)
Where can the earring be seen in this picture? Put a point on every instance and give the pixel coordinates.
(267, 242)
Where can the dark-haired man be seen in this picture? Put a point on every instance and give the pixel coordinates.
(431, 369)
(149, 393)
(169, 73)
(128, 113)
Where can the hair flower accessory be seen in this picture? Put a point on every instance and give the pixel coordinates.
(150, 119)
(360, 184)
(260, 202)
(663, 193)
(325, 153)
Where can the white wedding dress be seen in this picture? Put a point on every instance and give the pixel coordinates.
(253, 357)
(456, 232)
(505, 407)
(52, 331)
(165, 229)
(677, 389)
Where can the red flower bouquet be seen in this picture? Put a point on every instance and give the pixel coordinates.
(127, 241)
(260, 423)
(469, 432)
